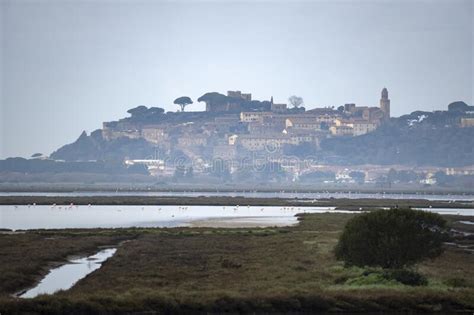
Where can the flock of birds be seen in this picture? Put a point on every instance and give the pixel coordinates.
(180, 208)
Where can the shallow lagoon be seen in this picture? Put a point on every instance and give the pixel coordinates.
(59, 217)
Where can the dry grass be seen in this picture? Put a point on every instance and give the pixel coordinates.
(27, 257)
(237, 270)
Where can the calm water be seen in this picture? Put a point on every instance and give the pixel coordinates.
(65, 276)
(57, 217)
(253, 194)
(465, 212)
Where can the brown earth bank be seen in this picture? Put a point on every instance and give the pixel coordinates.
(239, 270)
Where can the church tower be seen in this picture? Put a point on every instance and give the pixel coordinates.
(385, 104)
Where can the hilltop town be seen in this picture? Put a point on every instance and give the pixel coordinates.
(234, 125)
(240, 139)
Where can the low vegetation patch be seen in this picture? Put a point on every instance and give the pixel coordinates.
(383, 277)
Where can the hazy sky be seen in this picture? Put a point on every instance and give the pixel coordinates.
(67, 66)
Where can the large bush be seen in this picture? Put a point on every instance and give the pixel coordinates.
(394, 238)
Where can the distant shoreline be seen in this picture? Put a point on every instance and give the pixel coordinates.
(227, 188)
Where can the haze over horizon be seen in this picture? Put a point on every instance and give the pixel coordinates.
(69, 66)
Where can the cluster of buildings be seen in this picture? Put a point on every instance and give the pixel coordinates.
(271, 130)
(226, 130)
(235, 129)
(466, 122)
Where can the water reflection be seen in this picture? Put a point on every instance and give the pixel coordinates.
(65, 276)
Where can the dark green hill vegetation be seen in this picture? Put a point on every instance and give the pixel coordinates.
(94, 147)
(393, 144)
(218, 101)
(155, 115)
(418, 138)
(34, 166)
(460, 106)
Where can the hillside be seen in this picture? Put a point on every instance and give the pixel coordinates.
(392, 144)
(417, 139)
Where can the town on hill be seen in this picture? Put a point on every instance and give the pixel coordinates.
(235, 125)
(241, 139)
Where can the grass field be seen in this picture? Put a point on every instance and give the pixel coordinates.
(204, 270)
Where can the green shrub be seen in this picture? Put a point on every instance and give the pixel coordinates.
(392, 239)
(341, 279)
(457, 282)
(371, 279)
(407, 277)
(384, 277)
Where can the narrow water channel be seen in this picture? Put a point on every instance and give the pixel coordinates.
(65, 276)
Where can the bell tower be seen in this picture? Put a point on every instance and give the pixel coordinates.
(385, 104)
